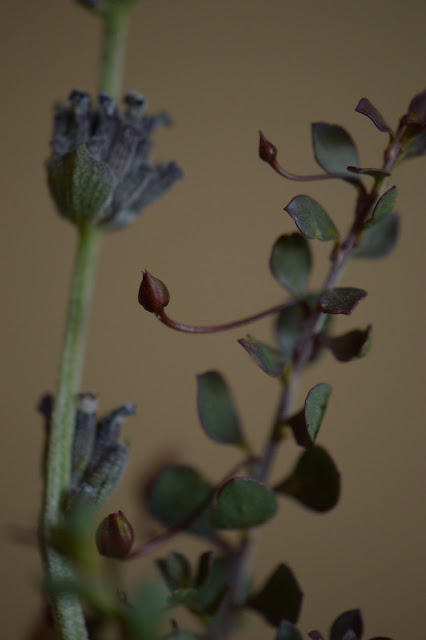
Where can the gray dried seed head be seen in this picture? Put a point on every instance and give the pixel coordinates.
(99, 171)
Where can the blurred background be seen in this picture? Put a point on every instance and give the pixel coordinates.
(224, 69)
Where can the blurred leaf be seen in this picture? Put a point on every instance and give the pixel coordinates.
(175, 493)
(341, 300)
(354, 344)
(347, 621)
(379, 240)
(367, 109)
(415, 148)
(314, 481)
(334, 148)
(311, 219)
(216, 409)
(369, 171)
(145, 617)
(175, 570)
(215, 585)
(270, 360)
(280, 598)
(204, 569)
(307, 422)
(287, 631)
(180, 634)
(291, 262)
(242, 503)
(315, 635)
(384, 206)
(417, 109)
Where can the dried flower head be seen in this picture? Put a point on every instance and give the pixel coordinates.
(99, 171)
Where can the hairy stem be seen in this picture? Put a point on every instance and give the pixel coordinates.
(66, 608)
(115, 27)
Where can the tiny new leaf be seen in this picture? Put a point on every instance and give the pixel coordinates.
(341, 300)
(291, 262)
(216, 409)
(306, 423)
(311, 219)
(365, 107)
(354, 344)
(280, 598)
(314, 482)
(175, 570)
(334, 148)
(287, 631)
(270, 360)
(379, 240)
(242, 503)
(384, 206)
(347, 621)
(175, 493)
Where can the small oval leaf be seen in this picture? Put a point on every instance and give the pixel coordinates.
(341, 300)
(314, 481)
(291, 263)
(306, 424)
(384, 206)
(379, 240)
(280, 598)
(311, 219)
(334, 148)
(347, 621)
(370, 171)
(242, 503)
(270, 360)
(216, 409)
(365, 107)
(354, 344)
(287, 631)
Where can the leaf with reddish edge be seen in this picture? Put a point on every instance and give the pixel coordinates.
(379, 240)
(369, 171)
(287, 631)
(417, 109)
(306, 424)
(365, 107)
(291, 263)
(314, 481)
(216, 409)
(242, 503)
(384, 206)
(340, 300)
(353, 344)
(315, 635)
(347, 621)
(280, 597)
(311, 219)
(270, 360)
(334, 148)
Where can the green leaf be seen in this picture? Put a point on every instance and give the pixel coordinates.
(287, 631)
(175, 493)
(341, 300)
(215, 585)
(315, 635)
(417, 109)
(145, 617)
(384, 206)
(175, 570)
(354, 344)
(291, 262)
(367, 109)
(334, 148)
(314, 481)
(216, 409)
(280, 598)
(348, 621)
(180, 634)
(242, 503)
(311, 219)
(370, 171)
(306, 423)
(415, 148)
(270, 360)
(379, 240)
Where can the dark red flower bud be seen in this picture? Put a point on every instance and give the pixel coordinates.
(114, 536)
(267, 150)
(153, 293)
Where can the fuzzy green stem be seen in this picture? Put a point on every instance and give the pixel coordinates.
(115, 25)
(66, 607)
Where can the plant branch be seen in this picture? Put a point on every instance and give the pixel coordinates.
(115, 19)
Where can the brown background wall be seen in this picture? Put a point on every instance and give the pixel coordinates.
(224, 69)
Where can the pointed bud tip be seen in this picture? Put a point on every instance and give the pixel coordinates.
(153, 294)
(115, 536)
(267, 151)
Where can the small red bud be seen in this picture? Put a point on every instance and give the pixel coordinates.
(153, 293)
(267, 151)
(114, 536)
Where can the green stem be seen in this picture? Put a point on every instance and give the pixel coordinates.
(67, 610)
(115, 24)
